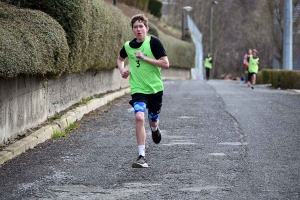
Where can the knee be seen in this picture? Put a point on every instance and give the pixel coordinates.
(139, 117)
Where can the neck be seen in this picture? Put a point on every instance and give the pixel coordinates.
(141, 39)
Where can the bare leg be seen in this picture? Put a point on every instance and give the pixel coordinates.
(153, 124)
(140, 128)
(253, 79)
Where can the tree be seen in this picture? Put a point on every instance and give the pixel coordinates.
(237, 26)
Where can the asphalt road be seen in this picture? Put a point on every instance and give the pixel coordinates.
(220, 140)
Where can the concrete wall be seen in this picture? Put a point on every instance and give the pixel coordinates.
(26, 102)
(175, 73)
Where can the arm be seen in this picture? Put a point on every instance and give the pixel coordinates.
(163, 62)
(124, 72)
(245, 60)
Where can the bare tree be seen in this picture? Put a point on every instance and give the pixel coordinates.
(237, 26)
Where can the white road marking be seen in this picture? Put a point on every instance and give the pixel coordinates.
(233, 143)
(217, 154)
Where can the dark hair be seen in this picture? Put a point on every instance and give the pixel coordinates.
(140, 18)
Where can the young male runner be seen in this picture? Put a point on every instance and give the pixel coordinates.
(253, 66)
(146, 56)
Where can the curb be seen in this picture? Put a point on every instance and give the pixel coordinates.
(59, 125)
(297, 91)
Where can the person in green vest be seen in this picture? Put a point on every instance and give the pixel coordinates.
(208, 65)
(147, 57)
(253, 66)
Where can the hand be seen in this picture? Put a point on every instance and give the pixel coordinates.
(125, 73)
(140, 55)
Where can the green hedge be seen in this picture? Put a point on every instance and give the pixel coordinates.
(153, 30)
(86, 37)
(95, 30)
(285, 79)
(155, 7)
(31, 43)
(140, 4)
(181, 54)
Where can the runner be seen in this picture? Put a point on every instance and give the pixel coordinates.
(208, 65)
(146, 56)
(253, 66)
(246, 63)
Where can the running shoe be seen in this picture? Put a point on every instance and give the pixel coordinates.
(156, 136)
(248, 83)
(252, 86)
(141, 162)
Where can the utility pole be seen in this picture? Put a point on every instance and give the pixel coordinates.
(211, 25)
(185, 9)
(288, 35)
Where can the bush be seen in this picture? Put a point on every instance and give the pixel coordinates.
(153, 30)
(140, 4)
(181, 54)
(94, 34)
(95, 30)
(31, 43)
(285, 79)
(154, 7)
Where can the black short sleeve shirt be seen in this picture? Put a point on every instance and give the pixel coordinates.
(156, 46)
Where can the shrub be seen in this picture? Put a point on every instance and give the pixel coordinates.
(140, 4)
(154, 8)
(95, 30)
(285, 79)
(31, 43)
(181, 54)
(153, 30)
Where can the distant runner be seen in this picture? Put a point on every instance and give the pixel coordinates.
(208, 65)
(253, 66)
(246, 63)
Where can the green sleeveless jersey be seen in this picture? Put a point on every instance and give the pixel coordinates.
(144, 77)
(253, 66)
(208, 63)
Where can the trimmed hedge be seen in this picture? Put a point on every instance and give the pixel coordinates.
(31, 43)
(181, 54)
(155, 7)
(285, 79)
(140, 4)
(153, 30)
(95, 30)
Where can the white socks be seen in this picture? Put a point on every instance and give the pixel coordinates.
(141, 150)
(153, 128)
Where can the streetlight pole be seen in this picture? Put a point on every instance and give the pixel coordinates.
(184, 10)
(211, 25)
(288, 35)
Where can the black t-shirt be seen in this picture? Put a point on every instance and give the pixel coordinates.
(156, 46)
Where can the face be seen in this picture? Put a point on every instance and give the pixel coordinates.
(139, 30)
(254, 53)
(250, 51)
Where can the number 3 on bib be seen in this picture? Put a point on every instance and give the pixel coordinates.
(138, 63)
